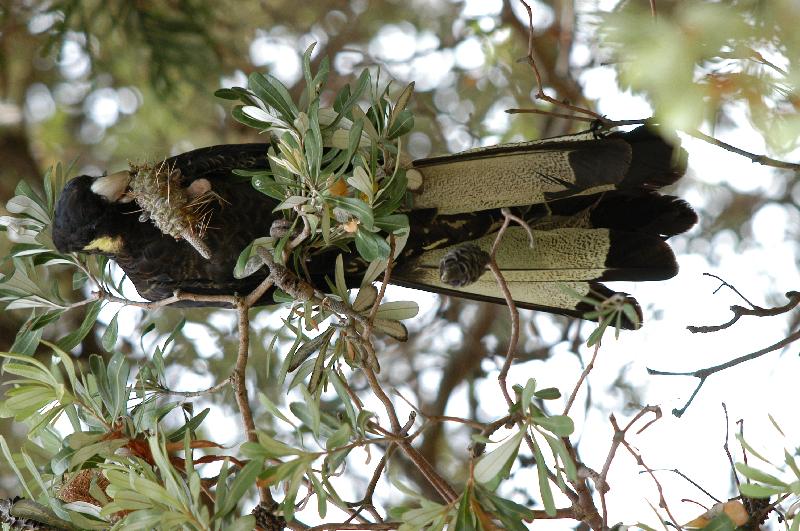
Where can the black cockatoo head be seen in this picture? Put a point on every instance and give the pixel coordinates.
(92, 214)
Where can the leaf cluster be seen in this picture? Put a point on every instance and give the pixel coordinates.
(479, 506)
(336, 171)
(697, 61)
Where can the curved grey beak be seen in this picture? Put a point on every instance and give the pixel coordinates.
(113, 186)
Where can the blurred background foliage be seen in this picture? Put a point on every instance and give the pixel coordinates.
(104, 82)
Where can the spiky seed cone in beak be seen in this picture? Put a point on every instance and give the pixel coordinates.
(158, 191)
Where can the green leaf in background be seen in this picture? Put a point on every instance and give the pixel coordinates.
(495, 465)
(402, 125)
(110, 335)
(371, 246)
(71, 340)
(560, 425)
(273, 93)
(356, 207)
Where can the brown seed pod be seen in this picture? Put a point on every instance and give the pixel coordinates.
(463, 265)
(76, 487)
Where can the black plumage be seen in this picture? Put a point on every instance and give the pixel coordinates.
(592, 203)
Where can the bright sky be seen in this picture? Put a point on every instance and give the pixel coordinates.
(764, 264)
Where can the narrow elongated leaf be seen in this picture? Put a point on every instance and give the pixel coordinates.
(322, 496)
(371, 246)
(21, 204)
(26, 341)
(402, 101)
(313, 410)
(341, 284)
(309, 347)
(759, 475)
(240, 116)
(258, 114)
(495, 464)
(110, 334)
(191, 426)
(561, 425)
(402, 124)
(544, 482)
(527, 393)
(754, 490)
(226, 94)
(72, 339)
(350, 100)
(357, 207)
(392, 223)
(274, 94)
(365, 298)
(117, 374)
(395, 329)
(291, 202)
(244, 480)
(397, 310)
(465, 516)
(558, 448)
(344, 396)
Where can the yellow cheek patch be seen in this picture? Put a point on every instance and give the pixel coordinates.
(105, 244)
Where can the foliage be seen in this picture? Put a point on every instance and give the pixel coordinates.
(173, 39)
(319, 151)
(311, 443)
(720, 55)
(118, 434)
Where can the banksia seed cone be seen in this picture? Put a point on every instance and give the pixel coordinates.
(463, 265)
(76, 487)
(158, 191)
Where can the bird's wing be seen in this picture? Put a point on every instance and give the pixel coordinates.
(219, 161)
(535, 172)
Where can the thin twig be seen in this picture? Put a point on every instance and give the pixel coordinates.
(176, 297)
(760, 159)
(740, 311)
(606, 122)
(239, 384)
(439, 483)
(727, 448)
(193, 394)
(540, 94)
(512, 309)
(371, 527)
(581, 498)
(619, 439)
(583, 376)
(695, 484)
(702, 374)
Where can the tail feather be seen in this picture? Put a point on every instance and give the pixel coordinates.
(655, 163)
(592, 205)
(570, 254)
(535, 172)
(631, 211)
(646, 212)
(559, 298)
